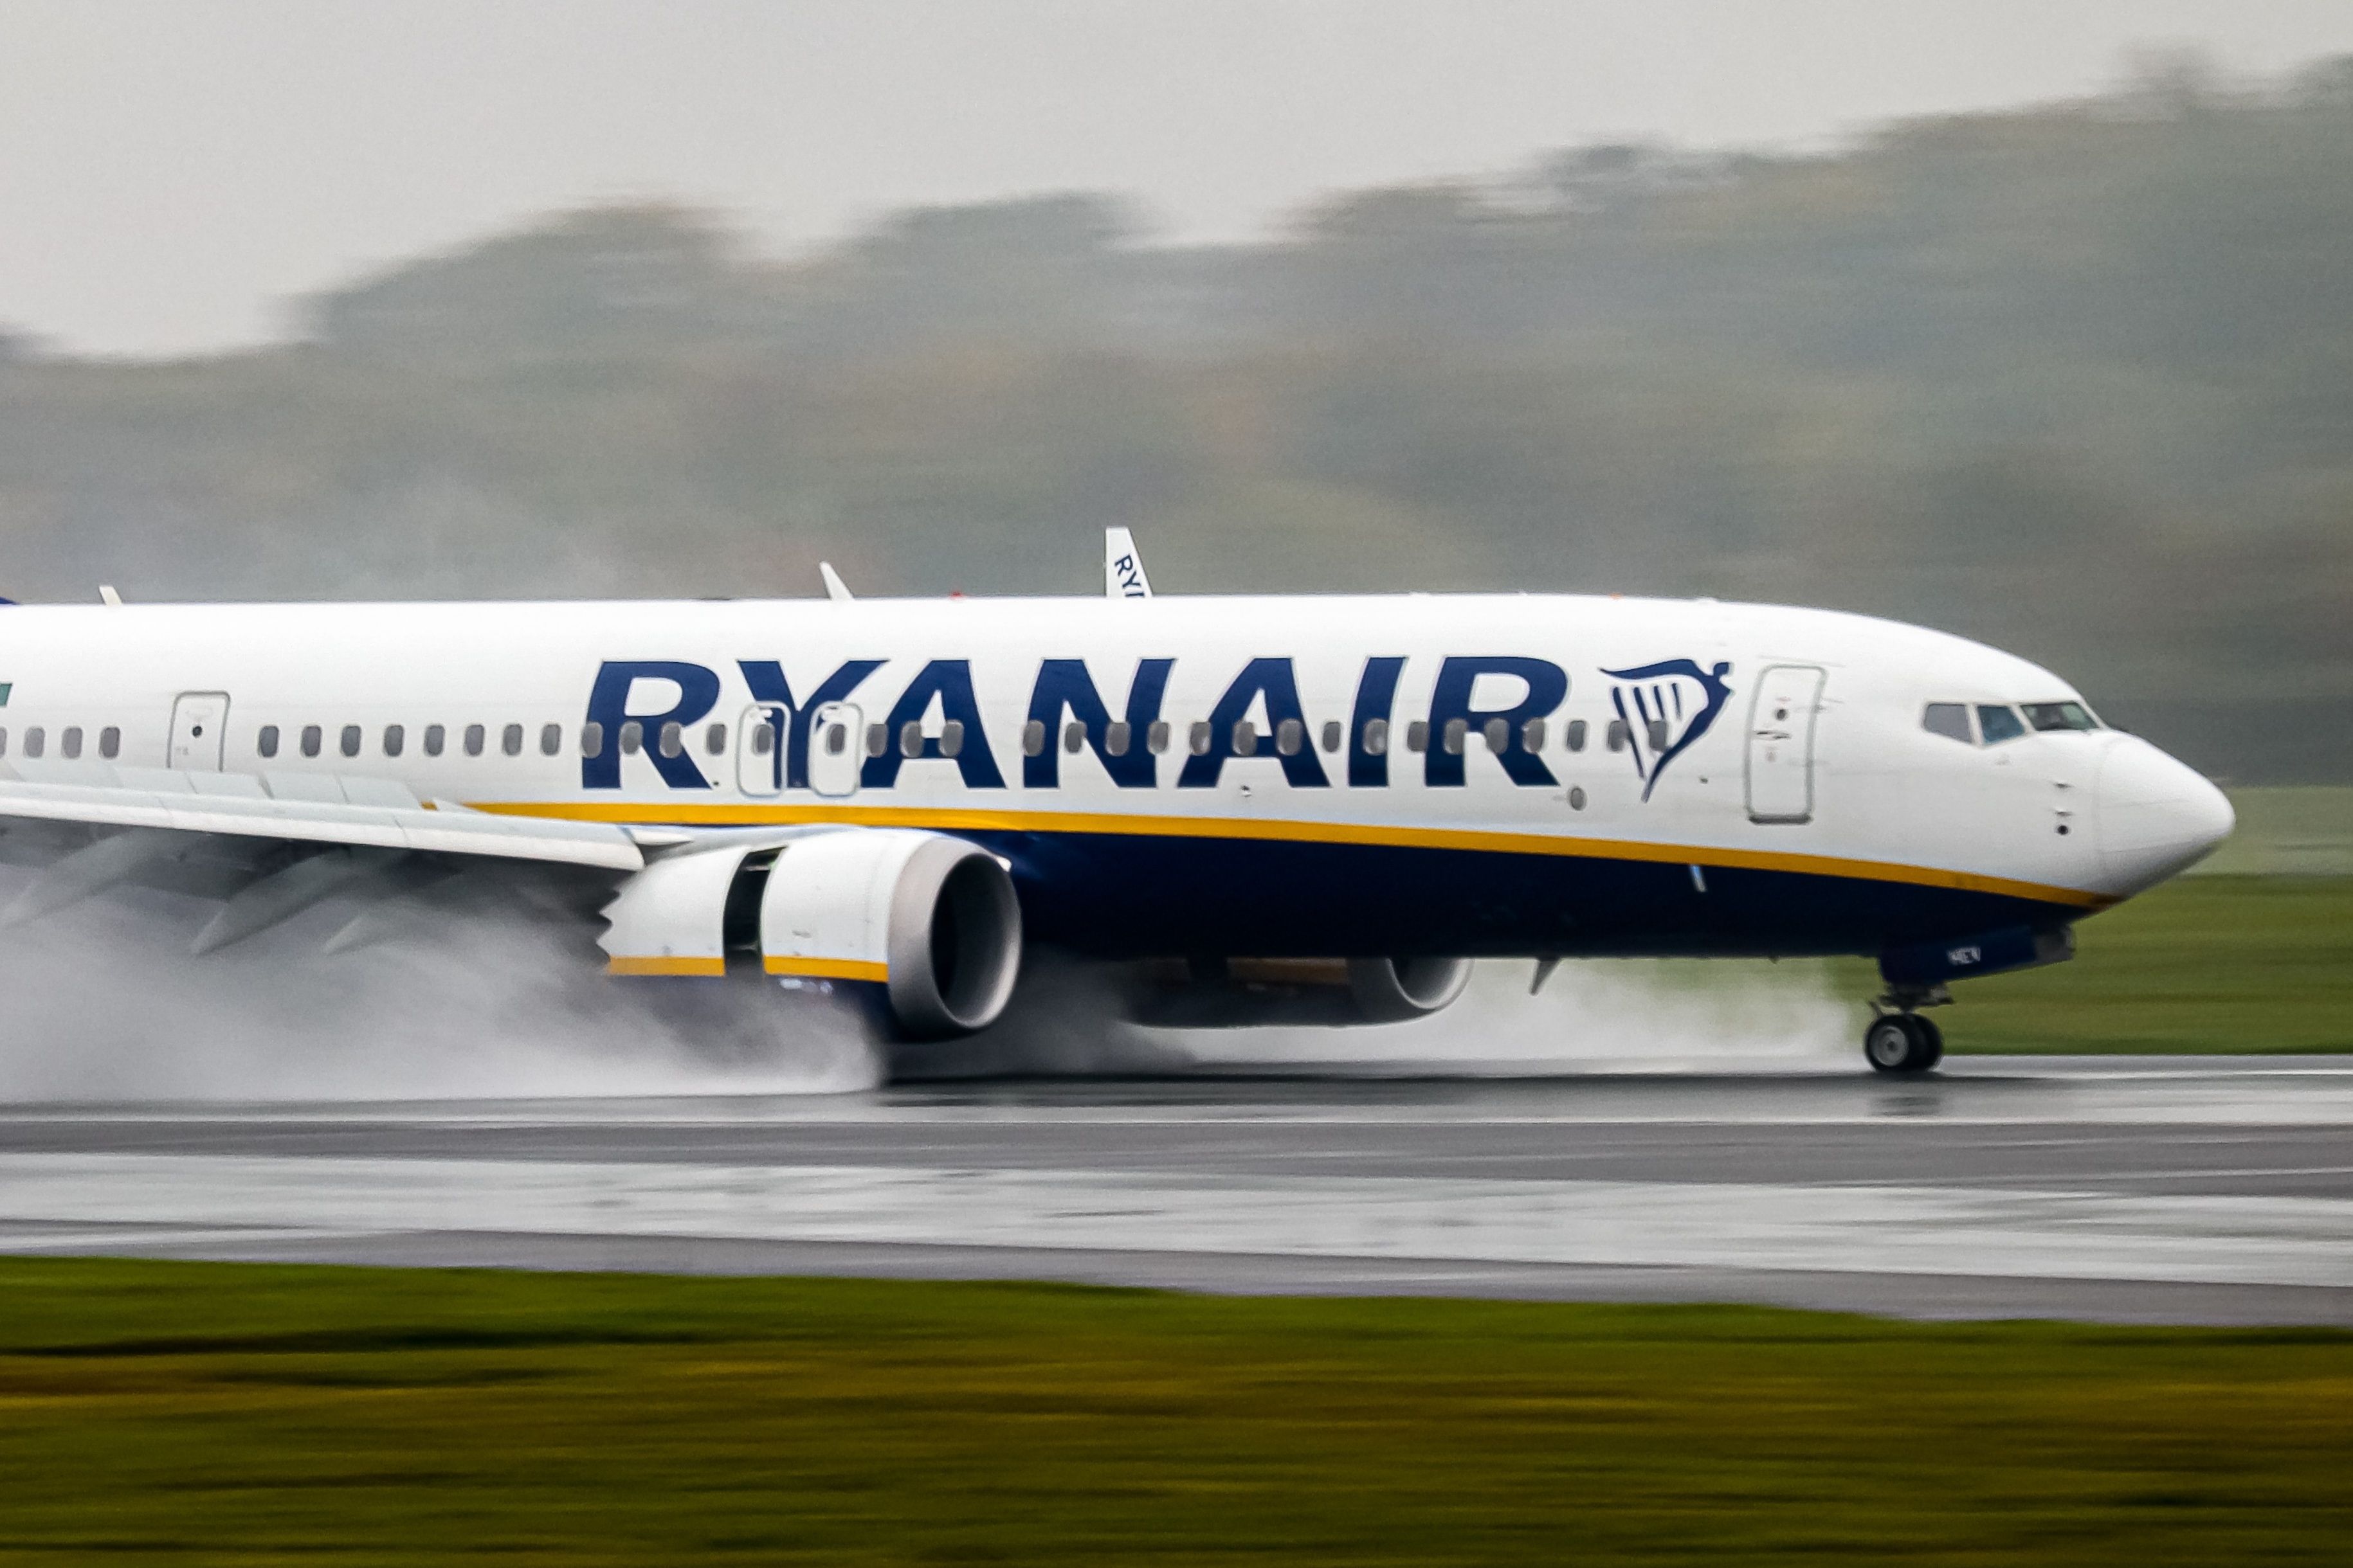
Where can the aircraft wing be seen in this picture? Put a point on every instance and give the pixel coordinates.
(310, 808)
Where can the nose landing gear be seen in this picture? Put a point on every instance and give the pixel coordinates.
(1899, 1040)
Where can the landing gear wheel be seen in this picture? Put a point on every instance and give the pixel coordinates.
(1936, 1037)
(1901, 1043)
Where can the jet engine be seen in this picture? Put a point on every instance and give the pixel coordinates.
(1247, 992)
(930, 921)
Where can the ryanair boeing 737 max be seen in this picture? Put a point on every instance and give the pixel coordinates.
(1266, 807)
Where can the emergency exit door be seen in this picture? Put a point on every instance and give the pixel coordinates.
(199, 726)
(836, 749)
(1781, 742)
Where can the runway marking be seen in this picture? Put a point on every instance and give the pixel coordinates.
(2021, 1233)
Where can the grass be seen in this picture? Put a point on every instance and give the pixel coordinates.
(2302, 830)
(2202, 963)
(230, 1413)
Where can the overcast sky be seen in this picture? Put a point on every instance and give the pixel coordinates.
(171, 172)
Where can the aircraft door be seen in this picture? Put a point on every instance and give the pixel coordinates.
(760, 750)
(836, 749)
(199, 727)
(1781, 742)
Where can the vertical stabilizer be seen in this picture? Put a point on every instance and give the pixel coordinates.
(1123, 575)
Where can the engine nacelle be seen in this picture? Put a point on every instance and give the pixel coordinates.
(1394, 990)
(1247, 992)
(931, 920)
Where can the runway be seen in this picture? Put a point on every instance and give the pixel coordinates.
(2177, 1190)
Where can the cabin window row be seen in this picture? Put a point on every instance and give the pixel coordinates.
(474, 740)
(35, 739)
(1289, 738)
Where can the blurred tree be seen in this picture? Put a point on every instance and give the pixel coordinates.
(2077, 379)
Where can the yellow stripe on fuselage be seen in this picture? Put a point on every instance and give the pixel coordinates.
(956, 819)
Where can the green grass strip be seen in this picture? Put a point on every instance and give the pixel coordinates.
(227, 1413)
(2203, 963)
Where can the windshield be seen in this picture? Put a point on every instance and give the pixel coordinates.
(1998, 724)
(2060, 716)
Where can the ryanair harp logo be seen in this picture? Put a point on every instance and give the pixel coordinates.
(1666, 707)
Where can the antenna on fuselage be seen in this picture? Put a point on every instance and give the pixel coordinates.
(106, 595)
(835, 588)
(1123, 575)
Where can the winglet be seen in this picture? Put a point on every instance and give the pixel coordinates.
(1123, 575)
(835, 588)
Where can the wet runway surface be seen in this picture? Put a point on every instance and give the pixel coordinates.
(2196, 1190)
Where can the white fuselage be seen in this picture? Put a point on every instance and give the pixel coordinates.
(1732, 778)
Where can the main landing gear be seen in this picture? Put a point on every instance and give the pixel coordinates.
(1900, 1041)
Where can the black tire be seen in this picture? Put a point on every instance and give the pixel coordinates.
(1936, 1040)
(1903, 1044)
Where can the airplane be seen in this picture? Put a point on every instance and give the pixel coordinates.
(1255, 809)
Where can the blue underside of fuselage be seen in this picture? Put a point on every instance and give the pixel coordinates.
(1127, 895)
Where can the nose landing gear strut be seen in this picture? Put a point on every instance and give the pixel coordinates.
(1900, 1041)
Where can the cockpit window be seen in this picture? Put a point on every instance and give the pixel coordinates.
(1999, 723)
(2060, 716)
(1950, 720)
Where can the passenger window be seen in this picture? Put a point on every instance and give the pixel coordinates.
(1498, 734)
(311, 738)
(36, 741)
(714, 739)
(1531, 734)
(836, 738)
(1416, 736)
(435, 736)
(911, 738)
(70, 741)
(1290, 737)
(1950, 720)
(1245, 738)
(1155, 739)
(1456, 731)
(510, 741)
(1117, 736)
(1998, 723)
(1577, 734)
(673, 739)
(350, 740)
(952, 737)
(633, 738)
(878, 739)
(592, 740)
(1198, 740)
(550, 739)
(1658, 730)
(474, 734)
(763, 740)
(109, 742)
(4, 740)
(1618, 734)
(1033, 738)
(1377, 737)
(1074, 735)
(1332, 732)
(395, 737)
(266, 743)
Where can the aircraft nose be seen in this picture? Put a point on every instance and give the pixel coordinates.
(2156, 816)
